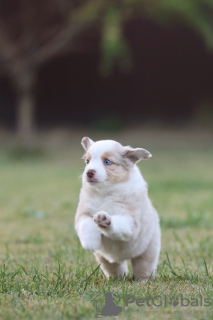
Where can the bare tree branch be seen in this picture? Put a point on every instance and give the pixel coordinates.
(69, 32)
(8, 50)
(60, 41)
(33, 31)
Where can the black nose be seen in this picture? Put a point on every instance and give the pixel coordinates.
(90, 173)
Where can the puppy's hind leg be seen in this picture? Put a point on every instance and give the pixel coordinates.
(145, 265)
(117, 270)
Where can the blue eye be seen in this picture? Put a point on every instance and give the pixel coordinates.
(107, 161)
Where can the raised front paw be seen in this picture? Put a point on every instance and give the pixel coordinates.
(91, 245)
(102, 219)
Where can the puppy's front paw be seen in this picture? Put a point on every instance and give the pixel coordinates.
(91, 242)
(91, 246)
(102, 219)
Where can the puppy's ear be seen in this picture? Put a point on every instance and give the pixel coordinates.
(86, 143)
(137, 154)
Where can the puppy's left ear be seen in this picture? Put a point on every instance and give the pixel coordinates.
(86, 142)
(136, 154)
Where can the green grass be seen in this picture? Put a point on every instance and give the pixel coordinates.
(44, 272)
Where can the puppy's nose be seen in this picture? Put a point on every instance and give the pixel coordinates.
(91, 173)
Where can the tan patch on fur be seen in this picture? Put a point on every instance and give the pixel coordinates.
(86, 156)
(116, 171)
(108, 155)
(131, 209)
(137, 154)
(131, 155)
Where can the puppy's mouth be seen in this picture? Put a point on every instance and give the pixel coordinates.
(92, 180)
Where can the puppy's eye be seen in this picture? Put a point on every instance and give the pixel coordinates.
(87, 161)
(107, 161)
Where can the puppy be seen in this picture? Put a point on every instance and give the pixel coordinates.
(115, 218)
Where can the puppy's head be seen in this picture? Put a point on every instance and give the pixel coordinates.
(109, 161)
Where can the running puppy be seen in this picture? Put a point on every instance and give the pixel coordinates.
(115, 218)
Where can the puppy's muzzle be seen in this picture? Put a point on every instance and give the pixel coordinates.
(91, 175)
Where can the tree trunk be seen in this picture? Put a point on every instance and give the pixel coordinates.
(25, 128)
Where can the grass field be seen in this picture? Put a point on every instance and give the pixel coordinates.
(44, 272)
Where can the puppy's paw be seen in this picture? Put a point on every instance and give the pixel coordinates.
(91, 242)
(102, 219)
(91, 246)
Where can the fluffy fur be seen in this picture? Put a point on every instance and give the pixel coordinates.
(115, 218)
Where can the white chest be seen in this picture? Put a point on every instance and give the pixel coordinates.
(111, 204)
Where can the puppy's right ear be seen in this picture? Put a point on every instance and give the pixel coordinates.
(86, 143)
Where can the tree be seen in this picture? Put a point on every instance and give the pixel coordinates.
(32, 32)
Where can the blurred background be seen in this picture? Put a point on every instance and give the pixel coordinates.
(136, 71)
(105, 65)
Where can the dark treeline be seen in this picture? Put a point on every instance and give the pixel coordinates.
(170, 78)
